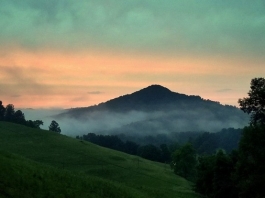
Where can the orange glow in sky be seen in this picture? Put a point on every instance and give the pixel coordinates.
(63, 79)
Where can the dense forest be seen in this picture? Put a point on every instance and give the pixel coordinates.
(160, 147)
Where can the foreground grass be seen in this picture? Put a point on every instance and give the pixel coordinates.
(78, 160)
(20, 177)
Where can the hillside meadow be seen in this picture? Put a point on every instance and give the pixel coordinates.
(46, 164)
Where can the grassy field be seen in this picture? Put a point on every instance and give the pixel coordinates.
(59, 166)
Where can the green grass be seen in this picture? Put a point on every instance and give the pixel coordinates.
(21, 177)
(69, 167)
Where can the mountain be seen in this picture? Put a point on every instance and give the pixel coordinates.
(152, 98)
(153, 110)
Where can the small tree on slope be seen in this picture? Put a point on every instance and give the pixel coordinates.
(54, 126)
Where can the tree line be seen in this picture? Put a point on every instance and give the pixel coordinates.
(9, 114)
(152, 148)
(149, 151)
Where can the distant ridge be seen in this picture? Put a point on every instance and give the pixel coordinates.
(153, 97)
(156, 109)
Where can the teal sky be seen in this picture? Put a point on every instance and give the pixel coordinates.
(173, 26)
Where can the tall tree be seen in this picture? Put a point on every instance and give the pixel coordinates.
(215, 175)
(9, 113)
(205, 175)
(2, 111)
(255, 103)
(54, 126)
(251, 166)
(184, 161)
(223, 184)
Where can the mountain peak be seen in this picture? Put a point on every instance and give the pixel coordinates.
(156, 86)
(155, 89)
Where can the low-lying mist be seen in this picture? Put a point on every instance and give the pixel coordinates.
(138, 123)
(46, 115)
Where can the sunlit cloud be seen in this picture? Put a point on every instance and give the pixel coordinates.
(95, 92)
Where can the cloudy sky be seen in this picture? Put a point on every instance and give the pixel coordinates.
(69, 53)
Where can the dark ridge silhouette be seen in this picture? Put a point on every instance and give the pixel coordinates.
(153, 110)
(151, 98)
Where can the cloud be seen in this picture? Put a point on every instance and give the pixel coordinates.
(18, 80)
(224, 90)
(171, 27)
(16, 96)
(95, 92)
(80, 98)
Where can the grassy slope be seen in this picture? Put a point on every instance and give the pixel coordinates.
(76, 160)
(24, 178)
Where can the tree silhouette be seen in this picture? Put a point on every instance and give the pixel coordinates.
(250, 166)
(54, 126)
(2, 111)
(184, 161)
(37, 123)
(9, 113)
(19, 117)
(215, 175)
(255, 103)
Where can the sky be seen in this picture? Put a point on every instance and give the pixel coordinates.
(67, 53)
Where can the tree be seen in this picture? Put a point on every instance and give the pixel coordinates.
(34, 124)
(131, 147)
(150, 152)
(37, 123)
(223, 184)
(184, 161)
(19, 117)
(205, 175)
(9, 113)
(255, 103)
(2, 111)
(215, 175)
(165, 153)
(251, 167)
(250, 170)
(54, 126)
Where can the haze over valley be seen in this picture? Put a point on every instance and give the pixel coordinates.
(150, 111)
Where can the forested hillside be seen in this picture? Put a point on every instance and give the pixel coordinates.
(151, 111)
